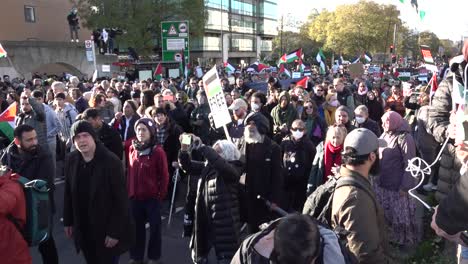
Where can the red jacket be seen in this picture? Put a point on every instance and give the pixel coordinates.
(148, 175)
(13, 247)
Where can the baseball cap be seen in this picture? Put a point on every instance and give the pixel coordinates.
(238, 103)
(363, 141)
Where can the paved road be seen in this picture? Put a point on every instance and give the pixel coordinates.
(175, 248)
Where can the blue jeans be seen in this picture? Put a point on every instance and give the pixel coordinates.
(146, 211)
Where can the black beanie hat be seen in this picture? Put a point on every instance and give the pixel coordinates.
(262, 123)
(82, 126)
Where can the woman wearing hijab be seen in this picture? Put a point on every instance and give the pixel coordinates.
(360, 97)
(375, 107)
(393, 183)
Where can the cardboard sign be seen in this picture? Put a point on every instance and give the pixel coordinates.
(356, 70)
(216, 99)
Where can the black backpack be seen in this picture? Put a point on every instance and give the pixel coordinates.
(319, 205)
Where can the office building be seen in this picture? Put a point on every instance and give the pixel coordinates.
(236, 30)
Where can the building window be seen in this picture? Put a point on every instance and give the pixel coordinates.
(29, 14)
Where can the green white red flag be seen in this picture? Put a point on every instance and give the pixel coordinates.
(3, 52)
(158, 72)
(290, 57)
(7, 121)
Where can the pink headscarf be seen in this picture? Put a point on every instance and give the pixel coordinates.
(392, 121)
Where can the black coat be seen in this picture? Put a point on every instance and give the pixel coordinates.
(297, 163)
(111, 140)
(122, 125)
(172, 144)
(217, 204)
(32, 166)
(109, 213)
(263, 176)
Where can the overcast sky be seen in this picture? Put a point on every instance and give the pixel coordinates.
(446, 18)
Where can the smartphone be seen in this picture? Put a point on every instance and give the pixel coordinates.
(169, 98)
(186, 139)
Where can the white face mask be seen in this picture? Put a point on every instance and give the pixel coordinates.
(297, 134)
(360, 119)
(255, 107)
(334, 103)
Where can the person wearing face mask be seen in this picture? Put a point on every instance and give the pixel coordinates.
(375, 107)
(328, 155)
(258, 102)
(329, 108)
(393, 183)
(362, 120)
(354, 206)
(342, 118)
(297, 151)
(360, 97)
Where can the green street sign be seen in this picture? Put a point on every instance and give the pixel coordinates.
(175, 40)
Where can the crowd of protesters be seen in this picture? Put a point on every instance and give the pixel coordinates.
(121, 142)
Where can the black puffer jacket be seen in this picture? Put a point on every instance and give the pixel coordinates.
(217, 207)
(439, 120)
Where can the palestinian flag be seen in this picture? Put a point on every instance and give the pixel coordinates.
(426, 53)
(367, 57)
(7, 121)
(229, 68)
(302, 82)
(301, 66)
(284, 70)
(433, 84)
(290, 57)
(3, 52)
(157, 75)
(321, 60)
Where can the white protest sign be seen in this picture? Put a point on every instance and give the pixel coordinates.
(296, 75)
(214, 92)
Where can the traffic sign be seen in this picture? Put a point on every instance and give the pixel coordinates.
(175, 40)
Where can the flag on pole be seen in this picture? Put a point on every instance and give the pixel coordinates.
(321, 60)
(356, 59)
(229, 68)
(95, 75)
(157, 75)
(433, 84)
(290, 57)
(422, 14)
(284, 70)
(367, 57)
(3, 52)
(7, 121)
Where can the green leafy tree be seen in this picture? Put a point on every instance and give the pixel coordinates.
(355, 28)
(140, 19)
(430, 39)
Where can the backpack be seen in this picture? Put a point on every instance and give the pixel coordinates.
(319, 205)
(36, 229)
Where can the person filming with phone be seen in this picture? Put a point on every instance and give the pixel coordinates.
(216, 218)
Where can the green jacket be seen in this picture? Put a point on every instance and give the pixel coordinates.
(318, 168)
(283, 116)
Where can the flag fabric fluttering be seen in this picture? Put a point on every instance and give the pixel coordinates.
(157, 75)
(302, 82)
(258, 67)
(367, 57)
(433, 84)
(356, 59)
(7, 121)
(284, 70)
(3, 52)
(291, 57)
(228, 68)
(321, 60)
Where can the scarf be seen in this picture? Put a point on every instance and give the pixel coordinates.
(329, 112)
(141, 146)
(332, 157)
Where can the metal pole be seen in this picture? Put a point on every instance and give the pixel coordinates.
(175, 178)
(394, 39)
(281, 36)
(94, 56)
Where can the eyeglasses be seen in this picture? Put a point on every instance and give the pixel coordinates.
(297, 128)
